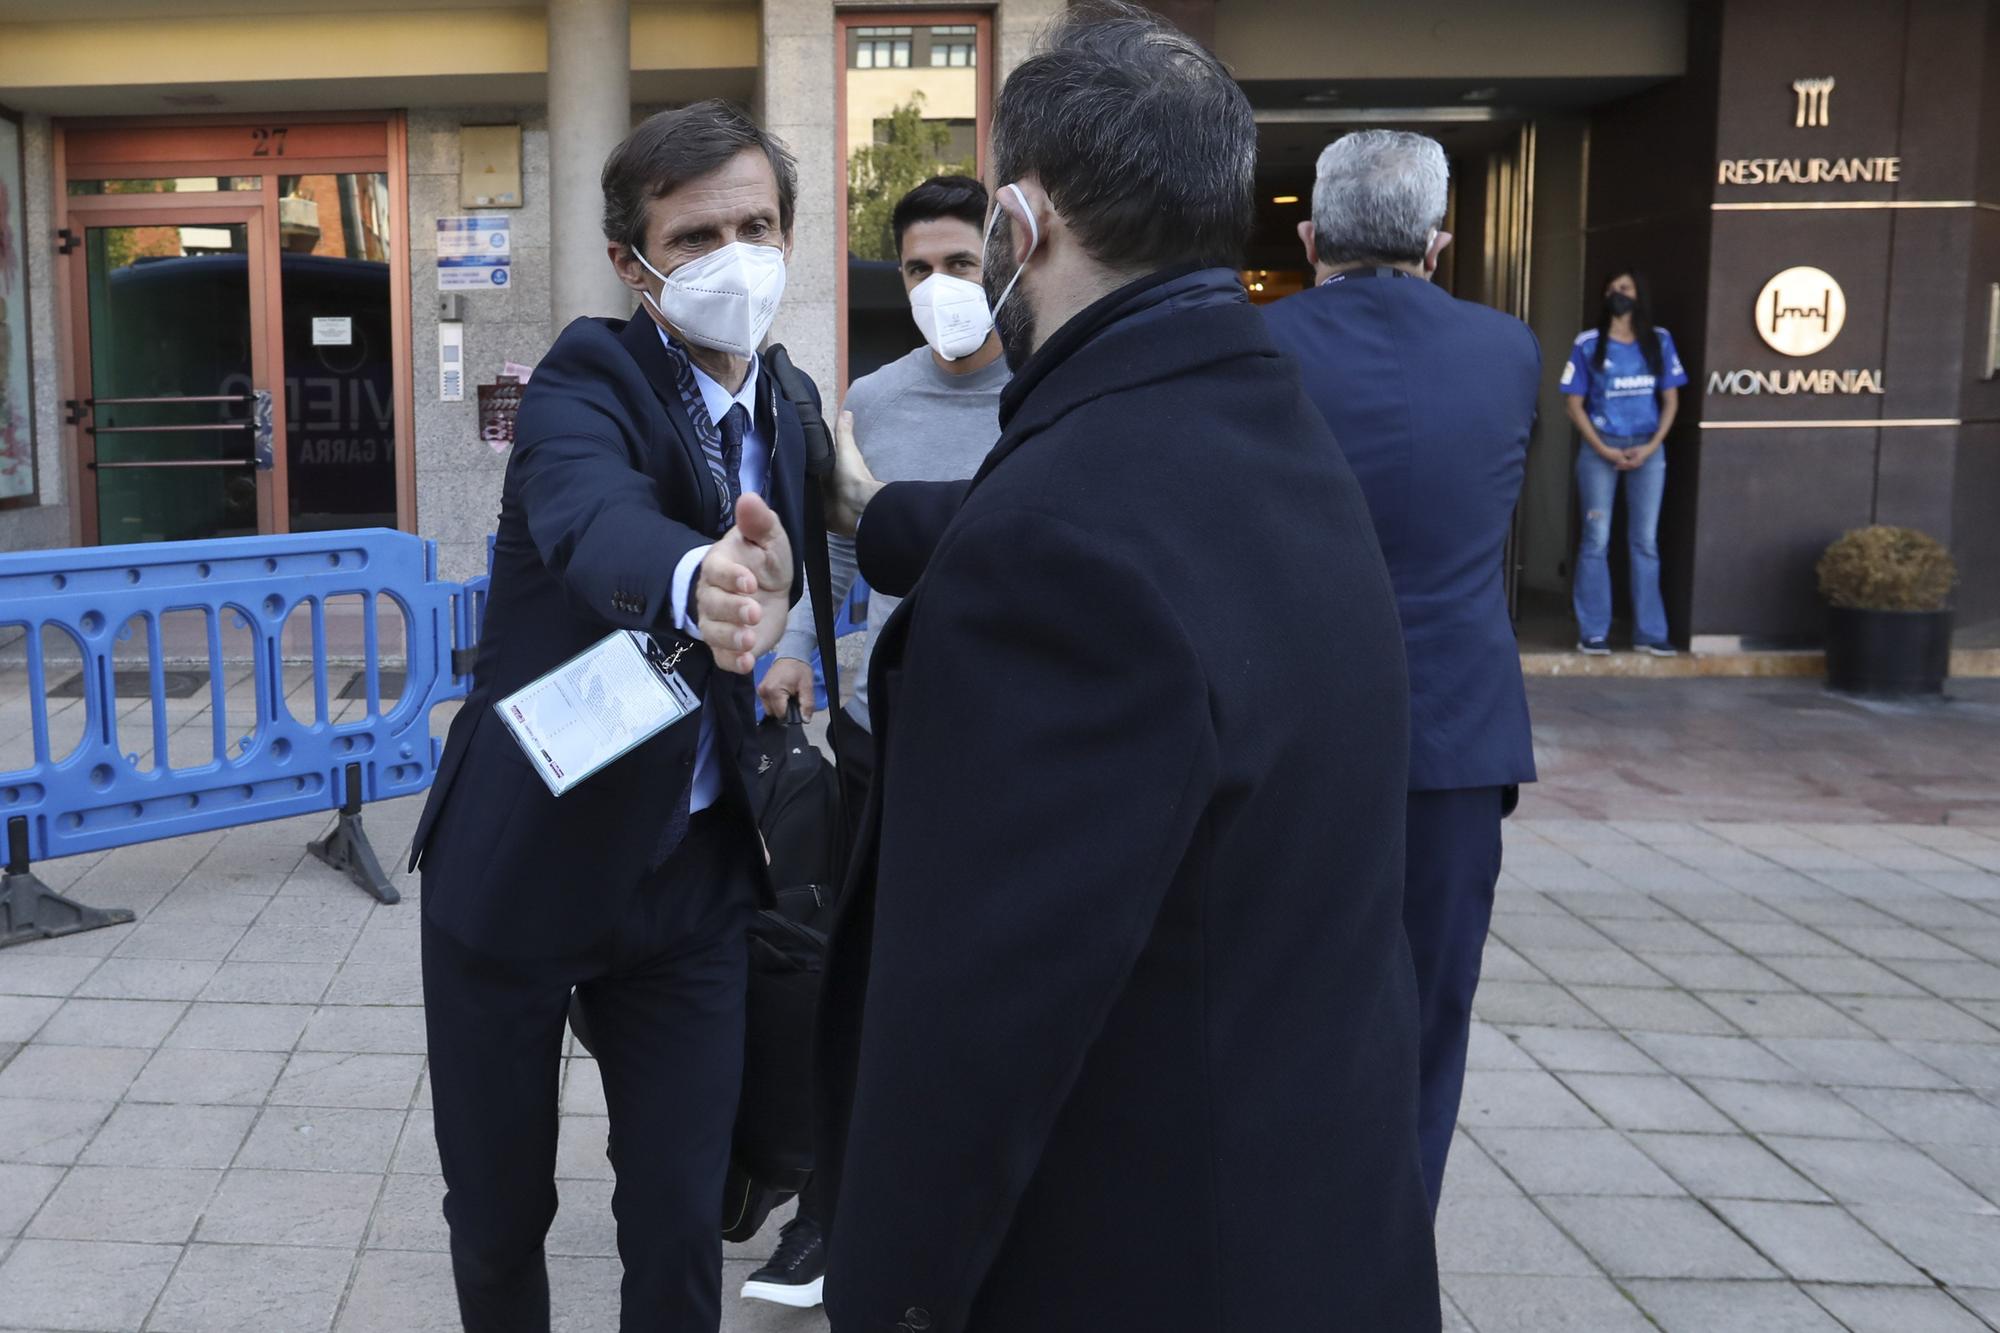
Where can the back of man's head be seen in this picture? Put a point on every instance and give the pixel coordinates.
(1379, 198)
(1144, 143)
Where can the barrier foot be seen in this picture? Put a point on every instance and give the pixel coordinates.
(346, 848)
(31, 910)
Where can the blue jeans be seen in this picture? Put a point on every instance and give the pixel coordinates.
(1596, 488)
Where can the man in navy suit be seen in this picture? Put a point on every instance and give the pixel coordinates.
(649, 453)
(1432, 400)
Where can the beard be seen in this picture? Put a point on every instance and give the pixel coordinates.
(1012, 320)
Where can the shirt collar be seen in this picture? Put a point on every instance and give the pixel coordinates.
(717, 399)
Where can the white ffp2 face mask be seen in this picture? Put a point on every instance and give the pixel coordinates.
(951, 313)
(724, 301)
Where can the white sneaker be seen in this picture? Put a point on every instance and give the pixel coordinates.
(802, 1297)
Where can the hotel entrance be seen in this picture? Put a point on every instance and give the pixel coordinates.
(239, 302)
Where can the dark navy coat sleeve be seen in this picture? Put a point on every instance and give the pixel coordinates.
(900, 530)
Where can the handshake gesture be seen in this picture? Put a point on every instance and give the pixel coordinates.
(744, 589)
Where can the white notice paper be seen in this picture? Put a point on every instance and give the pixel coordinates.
(333, 330)
(595, 707)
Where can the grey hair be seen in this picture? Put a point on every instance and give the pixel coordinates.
(1379, 196)
(1145, 144)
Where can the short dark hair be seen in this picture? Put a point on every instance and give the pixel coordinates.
(670, 149)
(958, 197)
(1145, 144)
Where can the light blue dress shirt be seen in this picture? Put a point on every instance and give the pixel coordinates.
(751, 474)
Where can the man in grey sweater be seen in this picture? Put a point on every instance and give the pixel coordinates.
(931, 415)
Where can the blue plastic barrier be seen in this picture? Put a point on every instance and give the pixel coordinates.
(101, 795)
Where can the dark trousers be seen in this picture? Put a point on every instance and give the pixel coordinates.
(664, 997)
(1453, 851)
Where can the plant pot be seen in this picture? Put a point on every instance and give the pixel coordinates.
(1887, 652)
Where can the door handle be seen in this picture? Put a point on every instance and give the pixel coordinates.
(261, 423)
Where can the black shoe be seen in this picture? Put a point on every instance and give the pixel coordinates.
(796, 1272)
(1598, 647)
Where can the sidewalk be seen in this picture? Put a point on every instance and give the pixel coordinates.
(1738, 1066)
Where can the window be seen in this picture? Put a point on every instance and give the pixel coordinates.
(954, 47)
(881, 48)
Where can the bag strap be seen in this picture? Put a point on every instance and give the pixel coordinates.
(819, 565)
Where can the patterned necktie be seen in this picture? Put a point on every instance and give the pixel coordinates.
(733, 426)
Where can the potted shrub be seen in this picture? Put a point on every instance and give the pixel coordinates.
(1888, 625)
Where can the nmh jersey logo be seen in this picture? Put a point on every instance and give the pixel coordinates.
(1801, 311)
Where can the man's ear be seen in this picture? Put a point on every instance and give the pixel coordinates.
(1028, 232)
(630, 271)
(1439, 241)
(1309, 239)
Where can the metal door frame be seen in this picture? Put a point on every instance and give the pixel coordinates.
(167, 210)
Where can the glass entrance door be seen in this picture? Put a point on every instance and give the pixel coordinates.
(175, 410)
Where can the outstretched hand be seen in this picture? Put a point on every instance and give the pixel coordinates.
(745, 588)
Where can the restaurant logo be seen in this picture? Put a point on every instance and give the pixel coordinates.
(1815, 102)
(1800, 311)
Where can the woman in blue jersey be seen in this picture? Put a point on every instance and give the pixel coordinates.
(1623, 380)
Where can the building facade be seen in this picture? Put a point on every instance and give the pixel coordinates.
(275, 267)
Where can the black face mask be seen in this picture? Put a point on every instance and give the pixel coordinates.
(1618, 303)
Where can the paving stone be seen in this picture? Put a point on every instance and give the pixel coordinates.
(133, 1023)
(1816, 1242)
(1897, 1310)
(76, 1284)
(208, 1078)
(1498, 1235)
(190, 1136)
(208, 904)
(1524, 1002)
(401, 1292)
(71, 1073)
(1633, 1011)
(1668, 1238)
(240, 1027)
(416, 1149)
(1522, 1099)
(147, 979)
(1771, 940)
(1986, 1304)
(1971, 1064)
(311, 1138)
(270, 983)
(322, 1208)
(1599, 967)
(23, 1189)
(156, 1205)
(1795, 1109)
(1648, 1102)
(1582, 1050)
(1765, 1015)
(1663, 937)
(1954, 981)
(1842, 976)
(284, 942)
(584, 1224)
(253, 1289)
(1490, 1048)
(1697, 1056)
(1895, 942)
(1911, 1019)
(1930, 1117)
(583, 1089)
(1468, 1170)
(1732, 1307)
(1728, 1166)
(1575, 1161)
(21, 1016)
(580, 1148)
(1841, 1062)
(332, 1078)
(1547, 931)
(1715, 971)
(1978, 1168)
(583, 1294)
(1955, 1248)
(177, 939)
(410, 1215)
(1496, 1303)
(384, 1029)
(1876, 1172)
(47, 1133)
(377, 983)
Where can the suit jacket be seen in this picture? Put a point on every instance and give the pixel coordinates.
(1119, 1026)
(1432, 400)
(607, 488)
